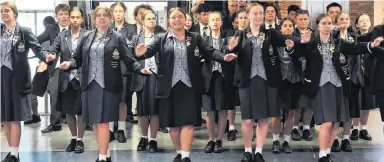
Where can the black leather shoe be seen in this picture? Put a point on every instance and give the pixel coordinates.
(365, 135)
(346, 145)
(111, 136)
(79, 147)
(209, 147)
(35, 119)
(330, 157)
(142, 144)
(226, 130)
(218, 146)
(51, 128)
(232, 135)
(203, 120)
(324, 159)
(247, 157)
(132, 120)
(12, 158)
(88, 127)
(307, 135)
(121, 136)
(101, 160)
(186, 160)
(109, 159)
(286, 147)
(354, 135)
(276, 147)
(335, 146)
(295, 135)
(177, 158)
(258, 158)
(71, 146)
(152, 146)
(163, 130)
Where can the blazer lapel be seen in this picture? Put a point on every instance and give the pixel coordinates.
(108, 38)
(17, 38)
(68, 41)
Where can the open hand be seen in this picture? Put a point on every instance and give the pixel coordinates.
(230, 57)
(50, 58)
(233, 41)
(140, 50)
(64, 65)
(289, 43)
(377, 42)
(306, 36)
(145, 71)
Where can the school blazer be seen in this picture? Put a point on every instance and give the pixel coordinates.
(115, 50)
(314, 64)
(164, 47)
(270, 55)
(62, 47)
(138, 80)
(378, 79)
(228, 68)
(24, 40)
(50, 34)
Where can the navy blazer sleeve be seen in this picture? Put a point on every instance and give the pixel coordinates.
(55, 47)
(127, 56)
(208, 50)
(32, 43)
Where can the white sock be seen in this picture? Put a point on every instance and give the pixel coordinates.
(337, 137)
(328, 151)
(79, 139)
(74, 137)
(275, 137)
(258, 150)
(102, 157)
(146, 137)
(121, 126)
(287, 138)
(111, 126)
(356, 127)
(305, 127)
(152, 139)
(184, 154)
(248, 149)
(108, 153)
(15, 151)
(363, 127)
(322, 153)
(345, 137)
(296, 127)
(231, 127)
(178, 152)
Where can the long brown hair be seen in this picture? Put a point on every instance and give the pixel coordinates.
(11, 5)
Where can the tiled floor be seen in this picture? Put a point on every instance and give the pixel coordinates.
(36, 147)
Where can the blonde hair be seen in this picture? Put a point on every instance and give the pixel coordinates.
(101, 7)
(339, 14)
(146, 13)
(251, 5)
(215, 12)
(11, 5)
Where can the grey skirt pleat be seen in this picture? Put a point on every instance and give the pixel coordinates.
(13, 103)
(215, 99)
(259, 100)
(99, 105)
(330, 105)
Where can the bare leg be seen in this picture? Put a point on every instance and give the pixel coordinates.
(71, 120)
(144, 123)
(297, 117)
(261, 132)
(15, 134)
(231, 116)
(154, 125)
(288, 125)
(346, 128)
(210, 119)
(80, 126)
(307, 116)
(103, 137)
(222, 123)
(247, 130)
(175, 136)
(7, 129)
(364, 117)
(186, 138)
(324, 135)
(276, 125)
(333, 134)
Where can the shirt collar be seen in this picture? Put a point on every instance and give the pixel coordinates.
(202, 26)
(61, 28)
(171, 34)
(138, 28)
(267, 25)
(150, 36)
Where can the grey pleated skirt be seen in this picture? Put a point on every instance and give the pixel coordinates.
(217, 98)
(259, 100)
(146, 98)
(99, 105)
(330, 105)
(181, 108)
(13, 104)
(69, 101)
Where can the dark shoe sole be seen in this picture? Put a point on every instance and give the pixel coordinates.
(78, 151)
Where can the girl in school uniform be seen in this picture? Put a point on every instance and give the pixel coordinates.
(327, 80)
(69, 96)
(289, 91)
(145, 86)
(219, 92)
(99, 57)
(258, 76)
(15, 42)
(343, 22)
(179, 87)
(362, 99)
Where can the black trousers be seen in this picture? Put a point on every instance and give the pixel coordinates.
(380, 101)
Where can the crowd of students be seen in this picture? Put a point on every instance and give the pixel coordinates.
(281, 70)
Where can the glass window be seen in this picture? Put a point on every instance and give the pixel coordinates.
(39, 20)
(27, 20)
(35, 5)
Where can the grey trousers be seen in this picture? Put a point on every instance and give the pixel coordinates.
(52, 90)
(31, 107)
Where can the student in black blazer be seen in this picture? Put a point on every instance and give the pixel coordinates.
(202, 27)
(219, 93)
(15, 42)
(303, 112)
(50, 34)
(179, 87)
(364, 102)
(145, 86)
(258, 76)
(99, 57)
(327, 80)
(69, 96)
(270, 17)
